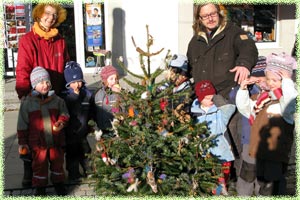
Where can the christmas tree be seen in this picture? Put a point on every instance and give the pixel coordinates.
(157, 149)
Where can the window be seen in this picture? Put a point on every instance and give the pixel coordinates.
(258, 20)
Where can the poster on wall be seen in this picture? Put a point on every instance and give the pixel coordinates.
(93, 29)
(15, 24)
(94, 37)
(93, 14)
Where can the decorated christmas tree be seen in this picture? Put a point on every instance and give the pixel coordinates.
(156, 149)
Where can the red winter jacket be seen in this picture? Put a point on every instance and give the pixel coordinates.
(36, 119)
(35, 51)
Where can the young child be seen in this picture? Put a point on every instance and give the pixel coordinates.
(78, 100)
(217, 117)
(42, 117)
(179, 75)
(106, 100)
(247, 183)
(178, 78)
(271, 116)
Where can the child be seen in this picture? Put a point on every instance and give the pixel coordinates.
(79, 100)
(178, 78)
(205, 110)
(106, 100)
(247, 184)
(179, 73)
(271, 116)
(42, 117)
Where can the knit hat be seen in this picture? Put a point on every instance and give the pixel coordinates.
(179, 61)
(108, 71)
(259, 69)
(73, 73)
(282, 61)
(38, 75)
(203, 88)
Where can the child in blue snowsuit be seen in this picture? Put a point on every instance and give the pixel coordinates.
(204, 109)
(79, 100)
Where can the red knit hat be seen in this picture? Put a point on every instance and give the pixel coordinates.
(108, 71)
(203, 88)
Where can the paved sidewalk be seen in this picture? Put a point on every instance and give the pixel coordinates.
(13, 171)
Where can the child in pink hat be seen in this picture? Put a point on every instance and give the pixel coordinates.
(106, 99)
(271, 116)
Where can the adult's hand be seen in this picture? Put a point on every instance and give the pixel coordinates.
(241, 73)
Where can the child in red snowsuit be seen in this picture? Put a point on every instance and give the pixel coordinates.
(42, 117)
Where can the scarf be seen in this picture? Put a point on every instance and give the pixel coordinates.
(262, 100)
(46, 35)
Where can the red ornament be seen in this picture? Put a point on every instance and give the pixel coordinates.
(163, 103)
(104, 157)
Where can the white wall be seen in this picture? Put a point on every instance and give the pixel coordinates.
(170, 24)
(162, 20)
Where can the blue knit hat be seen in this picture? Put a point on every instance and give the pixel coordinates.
(73, 73)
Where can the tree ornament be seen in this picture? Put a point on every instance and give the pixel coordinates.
(104, 158)
(163, 103)
(151, 181)
(131, 111)
(134, 186)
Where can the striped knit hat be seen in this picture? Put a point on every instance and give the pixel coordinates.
(259, 69)
(38, 75)
(283, 61)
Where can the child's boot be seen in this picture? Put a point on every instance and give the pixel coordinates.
(27, 177)
(40, 191)
(60, 189)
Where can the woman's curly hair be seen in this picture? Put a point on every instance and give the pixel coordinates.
(39, 9)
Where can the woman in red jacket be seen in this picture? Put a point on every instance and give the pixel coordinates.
(42, 46)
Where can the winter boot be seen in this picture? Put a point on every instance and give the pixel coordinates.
(27, 178)
(60, 189)
(73, 170)
(40, 191)
(85, 164)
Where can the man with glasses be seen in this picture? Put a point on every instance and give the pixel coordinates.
(222, 53)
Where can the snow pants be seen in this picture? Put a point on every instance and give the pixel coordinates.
(41, 159)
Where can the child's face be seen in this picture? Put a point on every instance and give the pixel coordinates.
(273, 82)
(261, 82)
(171, 75)
(43, 87)
(76, 86)
(207, 101)
(112, 80)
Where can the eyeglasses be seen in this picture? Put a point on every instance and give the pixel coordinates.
(205, 17)
(48, 14)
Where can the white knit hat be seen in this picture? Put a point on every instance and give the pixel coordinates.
(37, 75)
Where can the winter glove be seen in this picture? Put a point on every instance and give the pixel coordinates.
(23, 149)
(58, 126)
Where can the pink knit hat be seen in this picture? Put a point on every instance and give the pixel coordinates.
(108, 71)
(282, 61)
